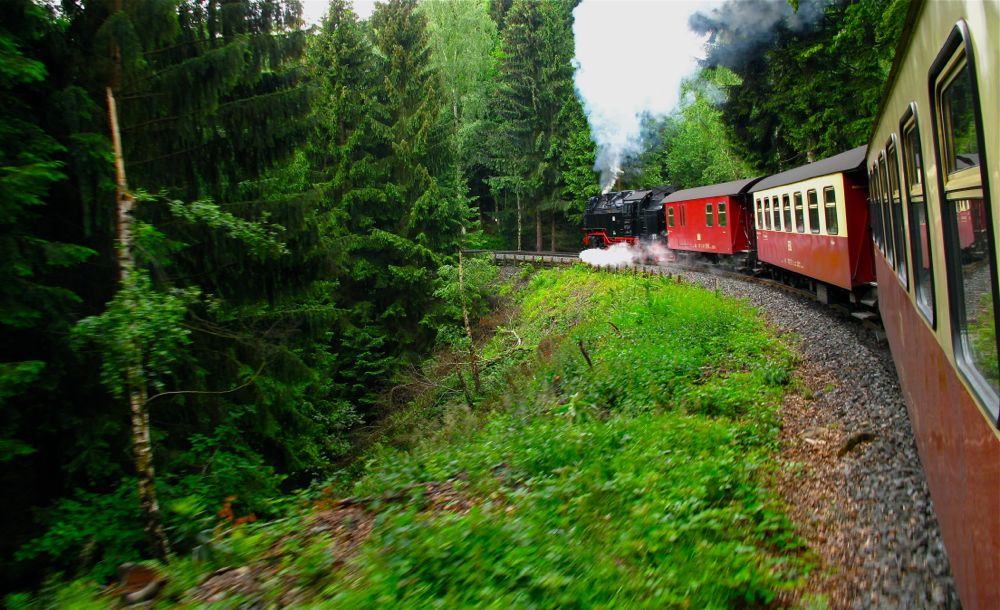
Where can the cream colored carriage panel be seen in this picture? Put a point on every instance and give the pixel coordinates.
(818, 184)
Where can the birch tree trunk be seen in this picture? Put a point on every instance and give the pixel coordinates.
(142, 450)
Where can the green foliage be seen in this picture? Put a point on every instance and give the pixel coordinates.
(642, 481)
(574, 152)
(535, 86)
(480, 275)
(656, 457)
(481, 240)
(91, 533)
(260, 238)
(983, 339)
(830, 77)
(140, 327)
(78, 595)
(694, 146)
(221, 465)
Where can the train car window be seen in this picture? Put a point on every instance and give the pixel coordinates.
(830, 205)
(776, 213)
(786, 213)
(898, 228)
(967, 214)
(708, 214)
(874, 214)
(683, 215)
(813, 200)
(886, 209)
(722, 213)
(800, 221)
(758, 215)
(876, 209)
(920, 238)
(670, 216)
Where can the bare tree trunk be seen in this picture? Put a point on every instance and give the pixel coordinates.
(517, 195)
(538, 228)
(142, 450)
(553, 245)
(473, 363)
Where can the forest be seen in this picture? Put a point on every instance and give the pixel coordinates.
(228, 236)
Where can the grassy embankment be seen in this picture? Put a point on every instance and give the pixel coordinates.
(637, 479)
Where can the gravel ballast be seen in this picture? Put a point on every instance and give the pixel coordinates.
(856, 489)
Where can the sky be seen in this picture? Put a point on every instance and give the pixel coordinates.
(631, 56)
(313, 10)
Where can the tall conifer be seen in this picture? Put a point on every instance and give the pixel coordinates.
(536, 76)
(421, 214)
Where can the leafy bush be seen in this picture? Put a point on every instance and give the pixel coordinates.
(637, 479)
(91, 532)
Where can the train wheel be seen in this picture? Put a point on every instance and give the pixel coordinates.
(596, 242)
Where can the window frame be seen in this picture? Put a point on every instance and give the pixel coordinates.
(776, 212)
(910, 123)
(943, 71)
(786, 213)
(885, 206)
(813, 204)
(798, 209)
(709, 215)
(670, 216)
(898, 210)
(875, 216)
(826, 211)
(720, 212)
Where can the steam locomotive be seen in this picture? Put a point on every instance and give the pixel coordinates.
(908, 223)
(625, 217)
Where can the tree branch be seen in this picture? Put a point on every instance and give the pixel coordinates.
(239, 387)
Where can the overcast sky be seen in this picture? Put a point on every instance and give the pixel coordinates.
(313, 10)
(631, 56)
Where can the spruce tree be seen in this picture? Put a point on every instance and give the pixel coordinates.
(46, 274)
(536, 76)
(574, 153)
(31, 303)
(421, 215)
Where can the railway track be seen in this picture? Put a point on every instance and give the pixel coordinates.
(536, 258)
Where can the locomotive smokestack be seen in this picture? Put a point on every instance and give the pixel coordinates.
(613, 180)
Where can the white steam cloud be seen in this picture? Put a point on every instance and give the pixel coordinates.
(624, 255)
(631, 57)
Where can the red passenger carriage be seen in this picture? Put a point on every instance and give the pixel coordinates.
(712, 219)
(813, 221)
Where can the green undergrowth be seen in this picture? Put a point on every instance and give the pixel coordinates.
(637, 479)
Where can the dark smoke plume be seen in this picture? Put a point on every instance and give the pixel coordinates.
(740, 30)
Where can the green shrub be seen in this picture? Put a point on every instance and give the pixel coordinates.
(91, 533)
(637, 481)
